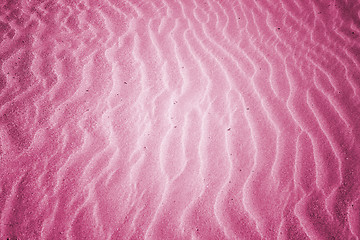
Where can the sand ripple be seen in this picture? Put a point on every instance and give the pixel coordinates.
(179, 119)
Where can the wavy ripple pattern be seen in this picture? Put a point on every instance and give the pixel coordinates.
(179, 119)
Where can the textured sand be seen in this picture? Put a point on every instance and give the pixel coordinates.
(179, 119)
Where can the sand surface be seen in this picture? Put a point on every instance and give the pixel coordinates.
(179, 119)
